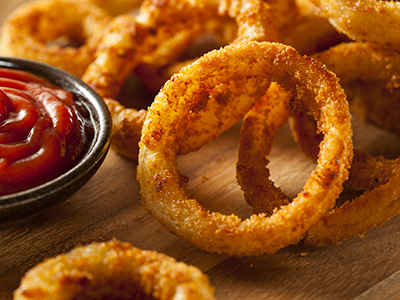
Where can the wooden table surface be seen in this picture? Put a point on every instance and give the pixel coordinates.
(109, 207)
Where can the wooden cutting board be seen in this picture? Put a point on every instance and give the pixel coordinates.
(109, 207)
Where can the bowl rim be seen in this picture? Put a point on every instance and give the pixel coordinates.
(102, 131)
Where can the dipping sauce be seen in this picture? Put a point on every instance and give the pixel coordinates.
(44, 130)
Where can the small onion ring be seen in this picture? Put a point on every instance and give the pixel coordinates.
(30, 29)
(380, 178)
(209, 96)
(113, 270)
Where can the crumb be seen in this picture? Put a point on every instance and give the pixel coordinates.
(304, 254)
(204, 179)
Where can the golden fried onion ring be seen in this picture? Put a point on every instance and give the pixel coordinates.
(205, 99)
(113, 270)
(32, 29)
(378, 176)
(164, 29)
(156, 36)
(368, 20)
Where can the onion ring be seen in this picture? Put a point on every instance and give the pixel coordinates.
(110, 270)
(369, 20)
(209, 96)
(174, 25)
(30, 30)
(377, 176)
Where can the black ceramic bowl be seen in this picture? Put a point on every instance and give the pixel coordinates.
(18, 206)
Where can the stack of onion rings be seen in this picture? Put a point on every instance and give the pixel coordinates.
(158, 34)
(379, 177)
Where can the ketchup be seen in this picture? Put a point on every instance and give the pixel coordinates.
(44, 130)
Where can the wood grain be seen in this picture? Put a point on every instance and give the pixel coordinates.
(109, 206)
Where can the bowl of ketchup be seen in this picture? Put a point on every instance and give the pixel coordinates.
(55, 132)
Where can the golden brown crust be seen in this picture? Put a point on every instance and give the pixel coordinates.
(113, 270)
